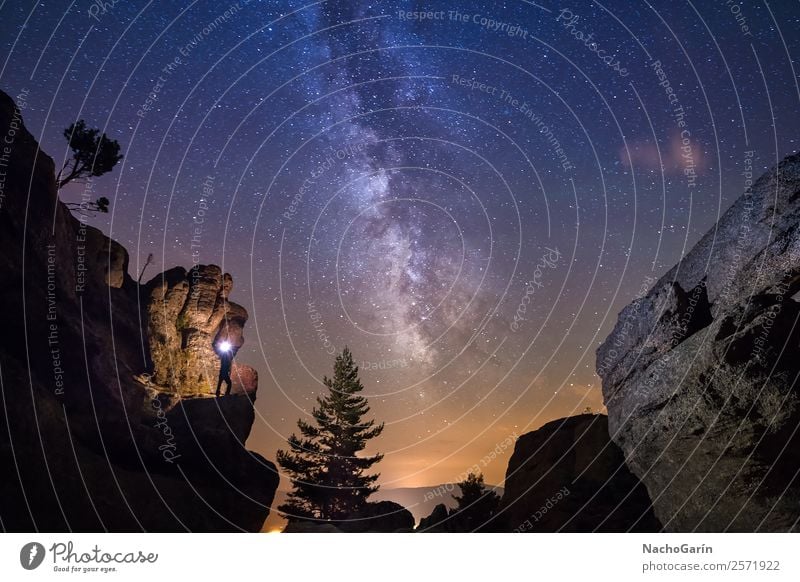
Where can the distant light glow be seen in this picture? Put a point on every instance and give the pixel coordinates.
(225, 346)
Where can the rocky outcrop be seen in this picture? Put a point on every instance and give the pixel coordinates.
(90, 437)
(478, 517)
(109, 255)
(700, 375)
(188, 314)
(568, 476)
(436, 521)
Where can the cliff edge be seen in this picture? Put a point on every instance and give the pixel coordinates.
(108, 423)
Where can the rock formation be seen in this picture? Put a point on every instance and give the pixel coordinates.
(700, 375)
(568, 476)
(188, 313)
(436, 522)
(478, 517)
(97, 432)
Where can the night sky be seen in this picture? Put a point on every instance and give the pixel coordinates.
(466, 200)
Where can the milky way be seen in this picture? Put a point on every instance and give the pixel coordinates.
(465, 193)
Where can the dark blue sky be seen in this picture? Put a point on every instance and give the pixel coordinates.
(402, 185)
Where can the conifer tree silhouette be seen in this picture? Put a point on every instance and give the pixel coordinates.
(476, 504)
(330, 482)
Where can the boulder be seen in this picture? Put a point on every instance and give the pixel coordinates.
(107, 254)
(699, 375)
(212, 420)
(568, 476)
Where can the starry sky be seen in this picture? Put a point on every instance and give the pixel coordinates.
(464, 193)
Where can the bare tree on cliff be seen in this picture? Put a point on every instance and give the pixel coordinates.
(93, 154)
(328, 478)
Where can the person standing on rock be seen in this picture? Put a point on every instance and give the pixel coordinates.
(225, 352)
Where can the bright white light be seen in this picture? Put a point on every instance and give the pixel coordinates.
(225, 346)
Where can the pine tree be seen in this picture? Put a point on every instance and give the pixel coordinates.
(328, 478)
(93, 154)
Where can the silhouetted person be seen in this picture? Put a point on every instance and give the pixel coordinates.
(225, 352)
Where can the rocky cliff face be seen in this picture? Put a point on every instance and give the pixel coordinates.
(700, 375)
(97, 431)
(189, 312)
(568, 476)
